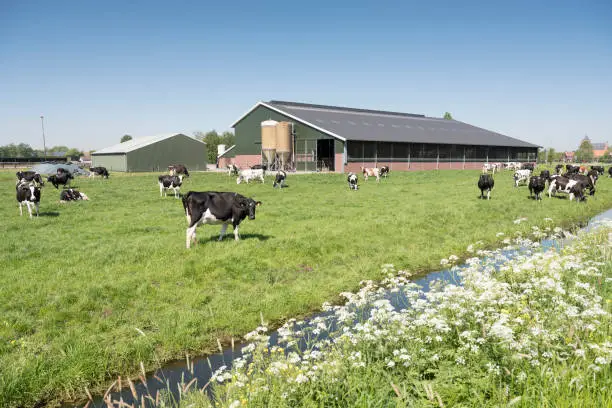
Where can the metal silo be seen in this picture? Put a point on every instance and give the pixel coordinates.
(268, 140)
(283, 142)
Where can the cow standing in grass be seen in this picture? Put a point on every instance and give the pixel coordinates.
(29, 177)
(371, 172)
(352, 181)
(280, 179)
(211, 207)
(537, 184)
(384, 171)
(486, 183)
(170, 182)
(28, 194)
(176, 169)
(521, 176)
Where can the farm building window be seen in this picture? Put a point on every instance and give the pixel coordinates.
(384, 151)
(369, 150)
(445, 151)
(498, 153)
(355, 151)
(401, 151)
(416, 150)
(430, 151)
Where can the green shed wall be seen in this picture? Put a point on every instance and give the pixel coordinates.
(112, 162)
(158, 156)
(248, 135)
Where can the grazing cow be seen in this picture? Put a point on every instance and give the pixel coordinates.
(250, 174)
(384, 171)
(370, 172)
(520, 176)
(528, 166)
(232, 170)
(537, 184)
(29, 177)
(558, 168)
(263, 167)
(28, 194)
(598, 169)
(280, 179)
(513, 166)
(170, 182)
(352, 181)
(57, 179)
(571, 169)
(588, 181)
(486, 182)
(573, 186)
(212, 207)
(175, 169)
(100, 171)
(72, 195)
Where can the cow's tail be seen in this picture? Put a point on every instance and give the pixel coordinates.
(186, 207)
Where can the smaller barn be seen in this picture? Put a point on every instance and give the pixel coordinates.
(152, 153)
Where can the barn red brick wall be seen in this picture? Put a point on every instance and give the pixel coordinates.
(413, 166)
(246, 160)
(339, 163)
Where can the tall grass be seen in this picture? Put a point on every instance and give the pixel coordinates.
(90, 289)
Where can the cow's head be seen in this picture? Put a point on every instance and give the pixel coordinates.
(249, 205)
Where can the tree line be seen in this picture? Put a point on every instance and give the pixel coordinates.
(584, 154)
(214, 139)
(24, 150)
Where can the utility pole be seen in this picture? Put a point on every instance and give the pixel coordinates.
(42, 123)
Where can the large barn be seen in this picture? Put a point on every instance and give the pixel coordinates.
(311, 137)
(152, 153)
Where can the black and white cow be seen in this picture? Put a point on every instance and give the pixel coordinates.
(599, 169)
(352, 181)
(520, 176)
(528, 166)
(29, 177)
(57, 179)
(72, 195)
(573, 186)
(280, 179)
(571, 169)
(170, 182)
(176, 169)
(100, 171)
(545, 174)
(211, 207)
(610, 172)
(558, 168)
(485, 183)
(232, 170)
(384, 171)
(28, 194)
(537, 184)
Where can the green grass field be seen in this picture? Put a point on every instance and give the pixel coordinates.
(90, 289)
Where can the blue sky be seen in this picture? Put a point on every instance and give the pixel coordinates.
(537, 71)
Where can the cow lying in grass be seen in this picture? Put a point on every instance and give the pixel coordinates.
(211, 207)
(72, 195)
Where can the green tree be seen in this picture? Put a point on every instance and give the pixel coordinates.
(585, 151)
(214, 139)
(607, 157)
(125, 138)
(75, 153)
(448, 116)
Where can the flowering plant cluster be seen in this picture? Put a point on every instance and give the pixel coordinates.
(513, 326)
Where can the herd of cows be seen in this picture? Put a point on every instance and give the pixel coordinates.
(227, 208)
(574, 181)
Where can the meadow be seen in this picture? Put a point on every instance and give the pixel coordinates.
(91, 289)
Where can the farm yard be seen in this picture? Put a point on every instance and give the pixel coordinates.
(91, 289)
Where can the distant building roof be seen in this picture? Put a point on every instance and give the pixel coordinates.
(137, 143)
(600, 146)
(383, 126)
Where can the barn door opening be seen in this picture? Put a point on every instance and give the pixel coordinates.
(325, 155)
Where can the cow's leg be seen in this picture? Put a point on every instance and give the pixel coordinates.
(20, 209)
(223, 229)
(29, 208)
(161, 190)
(191, 235)
(236, 234)
(489, 194)
(176, 192)
(37, 205)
